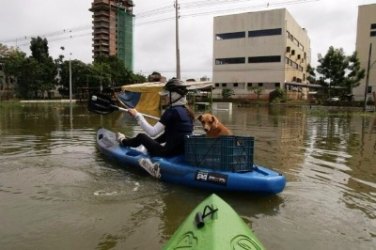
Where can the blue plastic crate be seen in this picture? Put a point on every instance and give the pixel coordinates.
(230, 153)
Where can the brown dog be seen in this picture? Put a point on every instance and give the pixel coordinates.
(212, 126)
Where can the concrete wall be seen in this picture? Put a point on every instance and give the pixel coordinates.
(267, 75)
(366, 17)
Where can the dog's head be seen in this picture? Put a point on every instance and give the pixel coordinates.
(208, 121)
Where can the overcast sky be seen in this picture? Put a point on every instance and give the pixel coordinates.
(68, 23)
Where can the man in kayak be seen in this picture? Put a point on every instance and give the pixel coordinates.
(175, 123)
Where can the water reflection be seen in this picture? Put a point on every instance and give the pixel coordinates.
(179, 202)
(54, 182)
(328, 157)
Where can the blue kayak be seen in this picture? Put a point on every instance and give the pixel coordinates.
(178, 171)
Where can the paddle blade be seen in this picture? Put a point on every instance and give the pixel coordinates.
(101, 104)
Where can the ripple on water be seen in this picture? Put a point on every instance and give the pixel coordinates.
(330, 181)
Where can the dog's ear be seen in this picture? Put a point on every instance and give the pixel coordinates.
(214, 121)
(199, 118)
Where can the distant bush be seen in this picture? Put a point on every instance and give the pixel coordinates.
(227, 93)
(277, 95)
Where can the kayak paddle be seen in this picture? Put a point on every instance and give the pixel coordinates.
(103, 105)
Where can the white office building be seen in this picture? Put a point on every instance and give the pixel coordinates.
(264, 50)
(366, 40)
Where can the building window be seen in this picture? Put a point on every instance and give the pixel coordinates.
(233, 35)
(277, 85)
(369, 90)
(217, 85)
(260, 84)
(266, 32)
(249, 85)
(233, 60)
(373, 26)
(264, 59)
(373, 33)
(224, 85)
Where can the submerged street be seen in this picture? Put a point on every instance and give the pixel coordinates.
(58, 192)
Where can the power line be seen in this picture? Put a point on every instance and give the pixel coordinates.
(187, 5)
(63, 34)
(168, 9)
(223, 11)
(217, 3)
(71, 33)
(50, 34)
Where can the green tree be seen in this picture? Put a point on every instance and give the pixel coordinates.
(26, 71)
(5, 51)
(355, 75)
(13, 62)
(82, 76)
(138, 78)
(39, 49)
(227, 93)
(277, 95)
(257, 90)
(15, 66)
(338, 72)
(111, 68)
(45, 68)
(38, 73)
(116, 71)
(105, 72)
(102, 72)
(311, 75)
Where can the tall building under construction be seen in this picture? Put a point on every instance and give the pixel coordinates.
(113, 29)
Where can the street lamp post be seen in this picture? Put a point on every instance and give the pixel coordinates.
(70, 80)
(70, 74)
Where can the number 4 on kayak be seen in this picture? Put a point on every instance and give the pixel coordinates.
(213, 224)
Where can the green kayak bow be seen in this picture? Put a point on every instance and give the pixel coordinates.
(213, 224)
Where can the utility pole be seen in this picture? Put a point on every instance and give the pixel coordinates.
(367, 76)
(176, 5)
(70, 68)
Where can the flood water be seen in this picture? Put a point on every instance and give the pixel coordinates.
(58, 192)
